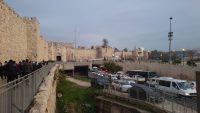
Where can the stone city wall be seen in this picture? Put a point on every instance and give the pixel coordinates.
(13, 33)
(69, 53)
(51, 51)
(20, 37)
(33, 35)
(42, 49)
(107, 52)
(57, 49)
(85, 54)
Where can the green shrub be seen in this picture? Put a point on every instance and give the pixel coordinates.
(191, 63)
(177, 61)
(112, 66)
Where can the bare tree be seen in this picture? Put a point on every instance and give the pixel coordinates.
(125, 50)
(116, 50)
(105, 43)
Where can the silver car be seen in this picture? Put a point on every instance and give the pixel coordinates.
(121, 85)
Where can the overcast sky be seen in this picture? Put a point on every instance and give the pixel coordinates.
(125, 23)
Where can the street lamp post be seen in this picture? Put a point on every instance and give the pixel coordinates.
(170, 35)
(161, 58)
(74, 51)
(139, 52)
(183, 50)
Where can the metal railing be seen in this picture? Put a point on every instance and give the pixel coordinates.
(171, 103)
(16, 96)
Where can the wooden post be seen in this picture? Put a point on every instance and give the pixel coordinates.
(198, 90)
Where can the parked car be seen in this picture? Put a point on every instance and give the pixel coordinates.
(100, 82)
(121, 85)
(145, 93)
(113, 77)
(131, 82)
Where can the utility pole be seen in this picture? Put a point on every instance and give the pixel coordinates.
(74, 56)
(170, 35)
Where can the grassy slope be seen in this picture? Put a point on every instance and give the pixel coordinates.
(75, 99)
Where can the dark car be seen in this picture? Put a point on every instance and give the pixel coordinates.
(100, 82)
(145, 93)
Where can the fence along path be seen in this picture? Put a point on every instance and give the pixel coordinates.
(16, 96)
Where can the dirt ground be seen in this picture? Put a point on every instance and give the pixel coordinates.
(78, 82)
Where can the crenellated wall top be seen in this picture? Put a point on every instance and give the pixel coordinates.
(10, 9)
(30, 20)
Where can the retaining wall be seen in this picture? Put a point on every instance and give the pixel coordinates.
(176, 71)
(111, 103)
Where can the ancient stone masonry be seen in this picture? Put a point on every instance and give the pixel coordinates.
(13, 41)
(67, 52)
(20, 37)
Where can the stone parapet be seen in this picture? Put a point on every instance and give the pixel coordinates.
(45, 99)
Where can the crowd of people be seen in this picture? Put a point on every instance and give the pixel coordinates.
(11, 70)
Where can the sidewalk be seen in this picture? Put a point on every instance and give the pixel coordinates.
(78, 82)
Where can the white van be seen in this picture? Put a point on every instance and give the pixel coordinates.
(174, 86)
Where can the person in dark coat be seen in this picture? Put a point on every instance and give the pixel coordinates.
(39, 65)
(27, 67)
(1, 70)
(22, 67)
(10, 71)
(34, 66)
(5, 74)
(16, 71)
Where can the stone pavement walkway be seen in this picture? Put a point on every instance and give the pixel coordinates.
(78, 82)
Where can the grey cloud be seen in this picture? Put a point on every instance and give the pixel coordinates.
(129, 23)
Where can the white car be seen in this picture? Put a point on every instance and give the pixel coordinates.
(176, 86)
(113, 77)
(131, 82)
(121, 85)
(138, 78)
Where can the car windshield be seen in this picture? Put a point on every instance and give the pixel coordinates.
(124, 83)
(184, 85)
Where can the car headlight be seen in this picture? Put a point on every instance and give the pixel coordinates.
(187, 94)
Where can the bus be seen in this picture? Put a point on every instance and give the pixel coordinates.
(145, 74)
